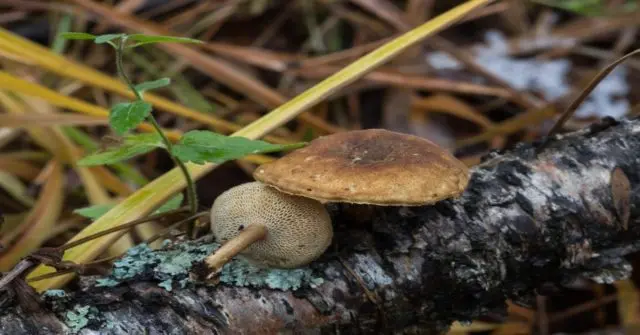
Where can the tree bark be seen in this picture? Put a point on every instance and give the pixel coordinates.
(526, 221)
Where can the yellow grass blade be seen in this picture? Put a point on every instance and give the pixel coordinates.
(510, 328)
(447, 104)
(40, 135)
(66, 68)
(94, 190)
(14, 187)
(152, 195)
(222, 71)
(41, 219)
(57, 119)
(356, 70)
(18, 85)
(628, 303)
(18, 167)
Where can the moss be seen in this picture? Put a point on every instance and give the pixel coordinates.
(172, 264)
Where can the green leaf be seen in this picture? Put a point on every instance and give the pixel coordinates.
(95, 211)
(200, 146)
(152, 85)
(142, 39)
(101, 39)
(171, 204)
(132, 146)
(77, 36)
(128, 115)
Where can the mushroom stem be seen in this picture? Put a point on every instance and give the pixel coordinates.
(231, 248)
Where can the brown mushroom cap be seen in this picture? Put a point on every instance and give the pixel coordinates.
(299, 229)
(373, 166)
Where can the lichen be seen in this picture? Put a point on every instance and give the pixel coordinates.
(79, 317)
(167, 284)
(171, 267)
(241, 273)
(54, 294)
(168, 265)
(56, 299)
(110, 325)
(107, 282)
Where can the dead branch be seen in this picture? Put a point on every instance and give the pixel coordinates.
(526, 221)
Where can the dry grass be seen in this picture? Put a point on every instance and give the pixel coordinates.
(252, 78)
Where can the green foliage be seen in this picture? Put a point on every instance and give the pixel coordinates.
(195, 146)
(101, 39)
(78, 36)
(95, 211)
(138, 39)
(128, 115)
(201, 146)
(152, 85)
(142, 39)
(132, 145)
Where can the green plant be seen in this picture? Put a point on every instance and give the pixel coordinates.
(197, 146)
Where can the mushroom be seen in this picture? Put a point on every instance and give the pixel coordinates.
(269, 220)
(374, 166)
(270, 228)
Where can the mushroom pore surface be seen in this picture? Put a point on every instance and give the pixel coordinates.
(299, 229)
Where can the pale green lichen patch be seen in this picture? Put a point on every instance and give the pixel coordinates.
(168, 265)
(172, 264)
(167, 284)
(56, 299)
(79, 317)
(54, 294)
(241, 273)
(110, 325)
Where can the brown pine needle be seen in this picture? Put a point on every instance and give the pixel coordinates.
(583, 95)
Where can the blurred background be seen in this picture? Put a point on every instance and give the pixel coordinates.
(500, 76)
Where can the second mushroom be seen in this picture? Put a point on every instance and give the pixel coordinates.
(280, 221)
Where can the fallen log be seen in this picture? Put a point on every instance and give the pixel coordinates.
(527, 220)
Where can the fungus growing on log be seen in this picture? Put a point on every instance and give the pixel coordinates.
(270, 228)
(280, 220)
(373, 166)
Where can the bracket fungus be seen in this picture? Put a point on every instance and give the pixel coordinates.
(280, 220)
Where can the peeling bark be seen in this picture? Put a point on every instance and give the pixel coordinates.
(525, 221)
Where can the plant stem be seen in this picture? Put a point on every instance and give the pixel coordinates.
(192, 196)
